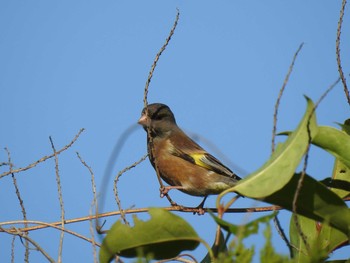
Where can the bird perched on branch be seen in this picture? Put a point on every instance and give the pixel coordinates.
(181, 162)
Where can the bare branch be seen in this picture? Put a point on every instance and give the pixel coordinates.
(41, 225)
(109, 167)
(337, 51)
(92, 232)
(302, 176)
(20, 200)
(94, 204)
(43, 159)
(17, 232)
(93, 184)
(60, 198)
(13, 249)
(115, 189)
(278, 101)
(150, 75)
(149, 138)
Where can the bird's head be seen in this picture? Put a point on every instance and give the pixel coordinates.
(158, 118)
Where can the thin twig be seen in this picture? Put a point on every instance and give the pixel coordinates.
(13, 249)
(115, 188)
(36, 245)
(145, 103)
(60, 198)
(92, 232)
(150, 75)
(93, 184)
(337, 51)
(109, 167)
(221, 211)
(282, 234)
(278, 226)
(43, 159)
(24, 214)
(3, 164)
(94, 204)
(20, 200)
(303, 174)
(41, 225)
(278, 101)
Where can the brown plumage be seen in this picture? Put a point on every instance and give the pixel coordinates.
(181, 162)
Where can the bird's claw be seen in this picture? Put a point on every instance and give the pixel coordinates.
(200, 211)
(163, 191)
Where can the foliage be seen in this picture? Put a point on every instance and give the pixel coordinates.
(320, 222)
(155, 238)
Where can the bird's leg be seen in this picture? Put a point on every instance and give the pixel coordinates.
(172, 203)
(164, 190)
(200, 207)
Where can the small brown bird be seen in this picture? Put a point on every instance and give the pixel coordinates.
(181, 162)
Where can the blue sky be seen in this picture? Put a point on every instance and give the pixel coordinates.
(83, 64)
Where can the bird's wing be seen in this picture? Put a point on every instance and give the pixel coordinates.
(190, 151)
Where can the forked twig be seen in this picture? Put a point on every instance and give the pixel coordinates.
(115, 188)
(108, 171)
(42, 225)
(16, 232)
(43, 159)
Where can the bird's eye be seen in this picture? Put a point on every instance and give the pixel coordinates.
(158, 116)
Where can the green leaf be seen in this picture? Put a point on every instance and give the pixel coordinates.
(276, 182)
(268, 253)
(279, 169)
(334, 141)
(315, 201)
(346, 126)
(340, 182)
(216, 248)
(341, 173)
(164, 236)
(321, 238)
(243, 231)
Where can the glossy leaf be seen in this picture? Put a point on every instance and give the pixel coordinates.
(279, 169)
(164, 236)
(340, 182)
(334, 141)
(341, 173)
(315, 201)
(321, 238)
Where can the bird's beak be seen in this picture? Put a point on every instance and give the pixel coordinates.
(143, 120)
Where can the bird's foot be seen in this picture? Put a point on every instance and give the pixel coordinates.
(165, 190)
(200, 210)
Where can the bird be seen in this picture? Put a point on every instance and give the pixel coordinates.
(181, 162)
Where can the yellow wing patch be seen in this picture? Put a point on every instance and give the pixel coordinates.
(198, 160)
